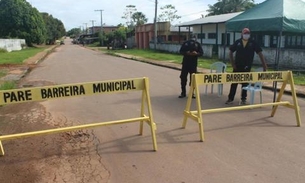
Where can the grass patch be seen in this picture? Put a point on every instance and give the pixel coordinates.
(162, 56)
(17, 57)
(299, 79)
(3, 72)
(8, 85)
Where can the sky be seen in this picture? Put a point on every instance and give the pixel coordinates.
(82, 13)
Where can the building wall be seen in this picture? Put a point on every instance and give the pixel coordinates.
(106, 29)
(289, 58)
(146, 34)
(12, 44)
(175, 48)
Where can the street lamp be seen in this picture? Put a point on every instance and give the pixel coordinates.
(101, 26)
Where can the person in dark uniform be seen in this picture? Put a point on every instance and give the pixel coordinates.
(245, 49)
(190, 50)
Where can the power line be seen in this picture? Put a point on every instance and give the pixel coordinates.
(192, 13)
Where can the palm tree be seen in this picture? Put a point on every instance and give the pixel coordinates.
(139, 18)
(229, 6)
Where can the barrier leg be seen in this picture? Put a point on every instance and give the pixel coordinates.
(1, 149)
(152, 124)
(201, 130)
(295, 100)
(153, 134)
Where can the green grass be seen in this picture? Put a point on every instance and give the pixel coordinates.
(299, 79)
(162, 56)
(7, 85)
(17, 57)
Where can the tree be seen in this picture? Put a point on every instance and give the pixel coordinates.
(168, 13)
(54, 28)
(139, 18)
(20, 20)
(129, 11)
(229, 6)
(74, 32)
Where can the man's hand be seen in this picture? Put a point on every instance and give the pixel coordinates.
(193, 53)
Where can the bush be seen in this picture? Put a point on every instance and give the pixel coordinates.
(3, 50)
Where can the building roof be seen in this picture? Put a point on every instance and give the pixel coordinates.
(272, 16)
(210, 19)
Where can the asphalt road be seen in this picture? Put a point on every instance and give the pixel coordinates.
(245, 146)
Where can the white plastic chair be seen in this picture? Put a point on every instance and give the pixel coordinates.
(255, 87)
(217, 67)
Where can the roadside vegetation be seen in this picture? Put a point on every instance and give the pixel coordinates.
(299, 77)
(15, 58)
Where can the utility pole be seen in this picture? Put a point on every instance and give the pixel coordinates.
(92, 31)
(102, 42)
(155, 23)
(86, 27)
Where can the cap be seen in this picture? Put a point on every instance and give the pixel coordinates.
(246, 31)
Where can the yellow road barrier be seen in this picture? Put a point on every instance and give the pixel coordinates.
(245, 77)
(82, 89)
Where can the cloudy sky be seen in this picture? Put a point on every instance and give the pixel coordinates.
(77, 13)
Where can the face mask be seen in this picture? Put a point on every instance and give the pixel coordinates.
(246, 36)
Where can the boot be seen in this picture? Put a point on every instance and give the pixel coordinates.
(183, 92)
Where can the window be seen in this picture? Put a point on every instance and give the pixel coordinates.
(273, 41)
(170, 38)
(201, 36)
(295, 41)
(223, 39)
(299, 40)
(211, 35)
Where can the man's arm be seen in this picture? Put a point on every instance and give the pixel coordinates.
(262, 58)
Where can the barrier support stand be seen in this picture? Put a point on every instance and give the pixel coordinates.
(187, 111)
(81, 89)
(294, 98)
(146, 100)
(220, 78)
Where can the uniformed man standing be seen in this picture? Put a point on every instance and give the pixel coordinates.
(190, 50)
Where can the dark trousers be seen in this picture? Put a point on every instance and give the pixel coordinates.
(186, 69)
(234, 86)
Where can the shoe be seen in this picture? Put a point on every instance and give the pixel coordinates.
(182, 95)
(243, 102)
(229, 101)
(193, 96)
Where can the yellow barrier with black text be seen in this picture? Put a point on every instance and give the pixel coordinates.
(82, 89)
(246, 77)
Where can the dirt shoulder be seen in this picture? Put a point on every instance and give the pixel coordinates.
(63, 157)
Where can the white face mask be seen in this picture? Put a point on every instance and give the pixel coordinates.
(246, 36)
